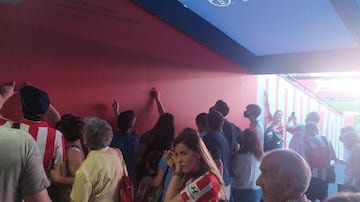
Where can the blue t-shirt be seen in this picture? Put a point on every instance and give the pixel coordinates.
(219, 149)
(127, 142)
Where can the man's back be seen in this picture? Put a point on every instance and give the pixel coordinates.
(127, 142)
(297, 140)
(20, 173)
(231, 133)
(217, 145)
(318, 153)
(49, 140)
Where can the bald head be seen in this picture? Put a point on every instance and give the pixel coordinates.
(345, 197)
(291, 164)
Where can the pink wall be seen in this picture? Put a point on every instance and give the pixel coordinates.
(84, 73)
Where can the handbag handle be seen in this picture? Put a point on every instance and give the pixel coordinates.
(125, 173)
(327, 149)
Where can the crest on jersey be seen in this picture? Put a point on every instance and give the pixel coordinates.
(220, 3)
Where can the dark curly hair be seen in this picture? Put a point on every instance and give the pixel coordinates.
(126, 120)
(71, 126)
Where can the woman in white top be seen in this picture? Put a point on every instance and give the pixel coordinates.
(245, 168)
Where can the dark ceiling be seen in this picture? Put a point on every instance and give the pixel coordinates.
(289, 37)
(279, 36)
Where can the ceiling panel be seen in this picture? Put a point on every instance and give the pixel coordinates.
(277, 26)
(272, 37)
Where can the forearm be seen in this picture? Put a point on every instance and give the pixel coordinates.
(267, 107)
(6, 91)
(53, 115)
(175, 183)
(160, 106)
(2, 101)
(65, 180)
(158, 179)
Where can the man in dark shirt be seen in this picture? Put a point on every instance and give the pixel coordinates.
(218, 147)
(125, 139)
(230, 130)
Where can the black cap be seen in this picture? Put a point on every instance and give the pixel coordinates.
(34, 101)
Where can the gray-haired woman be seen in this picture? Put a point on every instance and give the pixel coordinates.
(98, 176)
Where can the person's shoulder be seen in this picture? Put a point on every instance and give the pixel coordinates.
(212, 135)
(209, 137)
(145, 135)
(230, 124)
(121, 134)
(83, 173)
(316, 139)
(12, 132)
(131, 137)
(308, 138)
(206, 178)
(135, 134)
(259, 124)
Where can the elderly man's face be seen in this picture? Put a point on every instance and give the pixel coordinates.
(273, 186)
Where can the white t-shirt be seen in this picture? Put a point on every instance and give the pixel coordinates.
(245, 168)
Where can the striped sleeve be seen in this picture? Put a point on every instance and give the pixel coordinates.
(202, 189)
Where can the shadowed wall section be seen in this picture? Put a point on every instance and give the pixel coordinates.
(86, 63)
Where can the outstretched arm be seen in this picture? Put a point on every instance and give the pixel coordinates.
(172, 194)
(115, 106)
(156, 95)
(268, 115)
(53, 115)
(292, 118)
(6, 91)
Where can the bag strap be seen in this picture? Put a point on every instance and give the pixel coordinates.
(327, 149)
(166, 172)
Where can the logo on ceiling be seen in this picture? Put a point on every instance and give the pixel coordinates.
(221, 3)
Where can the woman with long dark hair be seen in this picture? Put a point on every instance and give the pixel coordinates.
(159, 138)
(195, 174)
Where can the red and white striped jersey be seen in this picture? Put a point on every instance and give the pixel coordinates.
(49, 140)
(203, 188)
(6, 122)
(318, 153)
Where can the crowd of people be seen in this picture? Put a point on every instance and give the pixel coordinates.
(84, 159)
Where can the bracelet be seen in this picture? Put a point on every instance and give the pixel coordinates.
(177, 173)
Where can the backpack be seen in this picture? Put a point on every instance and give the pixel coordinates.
(272, 140)
(146, 193)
